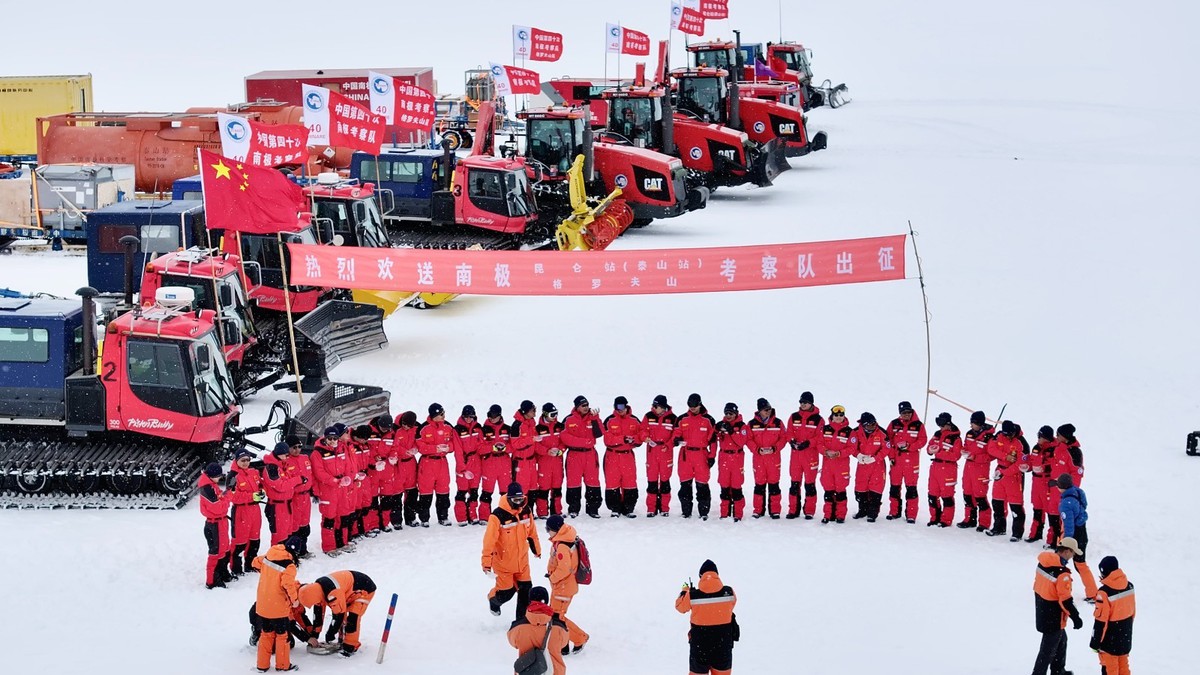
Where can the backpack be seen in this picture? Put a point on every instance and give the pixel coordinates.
(583, 571)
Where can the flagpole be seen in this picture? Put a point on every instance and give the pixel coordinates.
(287, 302)
(620, 48)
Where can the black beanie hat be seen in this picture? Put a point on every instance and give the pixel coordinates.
(1067, 431)
(763, 404)
(495, 411)
(293, 440)
(580, 400)
(693, 400)
(436, 409)
(539, 594)
(866, 418)
(731, 408)
(554, 523)
(213, 470)
(905, 406)
(1046, 432)
(514, 490)
(708, 566)
(281, 448)
(806, 397)
(527, 406)
(1064, 481)
(1107, 564)
(943, 419)
(409, 418)
(549, 407)
(978, 417)
(661, 401)
(468, 411)
(1008, 428)
(620, 400)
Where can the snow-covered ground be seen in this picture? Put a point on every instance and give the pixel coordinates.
(1047, 157)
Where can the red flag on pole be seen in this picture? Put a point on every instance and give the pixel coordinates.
(714, 9)
(415, 107)
(261, 144)
(536, 44)
(353, 126)
(686, 19)
(634, 43)
(523, 80)
(242, 198)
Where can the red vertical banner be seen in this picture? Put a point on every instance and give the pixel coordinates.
(714, 9)
(634, 43)
(353, 126)
(608, 272)
(415, 107)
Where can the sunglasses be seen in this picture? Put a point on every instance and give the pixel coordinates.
(837, 414)
(552, 414)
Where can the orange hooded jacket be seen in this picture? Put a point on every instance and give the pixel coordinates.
(278, 590)
(711, 602)
(564, 560)
(509, 536)
(528, 633)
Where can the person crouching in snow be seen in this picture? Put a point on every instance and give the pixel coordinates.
(540, 628)
(714, 626)
(347, 594)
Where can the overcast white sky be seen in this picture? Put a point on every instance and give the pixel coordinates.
(147, 55)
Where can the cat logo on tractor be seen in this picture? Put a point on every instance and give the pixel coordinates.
(787, 129)
(652, 185)
(729, 154)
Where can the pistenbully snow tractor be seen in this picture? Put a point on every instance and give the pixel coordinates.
(134, 432)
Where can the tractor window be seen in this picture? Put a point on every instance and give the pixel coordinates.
(24, 345)
(157, 376)
(336, 211)
(110, 237)
(518, 193)
(555, 142)
(486, 190)
(390, 172)
(75, 359)
(713, 58)
(160, 238)
(264, 250)
(702, 96)
(633, 118)
(212, 379)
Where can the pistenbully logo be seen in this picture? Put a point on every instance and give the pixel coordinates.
(152, 423)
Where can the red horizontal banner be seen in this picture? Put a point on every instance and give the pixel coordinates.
(685, 270)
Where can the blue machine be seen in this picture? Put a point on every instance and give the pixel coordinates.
(411, 175)
(187, 188)
(41, 343)
(162, 227)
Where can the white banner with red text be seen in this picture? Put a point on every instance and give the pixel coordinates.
(608, 272)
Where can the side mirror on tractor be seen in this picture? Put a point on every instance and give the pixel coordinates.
(203, 359)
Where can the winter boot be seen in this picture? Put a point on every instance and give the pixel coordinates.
(863, 509)
(703, 500)
(235, 564)
(685, 498)
(894, 502)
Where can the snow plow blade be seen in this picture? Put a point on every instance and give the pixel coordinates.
(834, 96)
(342, 330)
(776, 154)
(388, 301)
(591, 227)
(350, 404)
(765, 164)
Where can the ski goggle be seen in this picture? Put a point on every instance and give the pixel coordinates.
(837, 410)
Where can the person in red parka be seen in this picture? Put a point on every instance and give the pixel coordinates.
(580, 431)
(871, 447)
(659, 427)
(330, 478)
(1041, 456)
(766, 437)
(436, 441)
(246, 495)
(945, 449)
(1008, 487)
(731, 462)
(494, 458)
(622, 434)
(214, 506)
(363, 489)
(696, 431)
(404, 440)
(804, 433)
(907, 436)
(548, 499)
(386, 458)
(298, 467)
(280, 488)
(977, 472)
(523, 443)
(1065, 435)
(835, 464)
(468, 468)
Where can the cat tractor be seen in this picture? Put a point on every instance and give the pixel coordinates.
(486, 200)
(132, 428)
(654, 185)
(787, 62)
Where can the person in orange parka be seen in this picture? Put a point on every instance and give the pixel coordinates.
(530, 631)
(945, 449)
(804, 434)
(280, 488)
(214, 506)
(246, 495)
(278, 596)
(835, 467)
(907, 435)
(622, 434)
(731, 462)
(560, 570)
(509, 536)
(468, 468)
(347, 594)
(714, 626)
(766, 437)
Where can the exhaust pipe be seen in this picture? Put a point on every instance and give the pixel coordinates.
(130, 243)
(735, 108)
(89, 328)
(589, 153)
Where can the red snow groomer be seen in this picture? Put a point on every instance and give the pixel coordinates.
(783, 62)
(652, 184)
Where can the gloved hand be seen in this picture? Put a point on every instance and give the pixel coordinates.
(555, 452)
(1076, 622)
(260, 497)
(487, 570)
(380, 465)
(629, 440)
(803, 445)
(443, 448)
(468, 475)
(902, 445)
(498, 448)
(711, 461)
(997, 475)
(345, 481)
(360, 476)
(393, 460)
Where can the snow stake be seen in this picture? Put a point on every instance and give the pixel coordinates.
(387, 628)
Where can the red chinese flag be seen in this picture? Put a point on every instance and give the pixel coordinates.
(714, 9)
(545, 45)
(523, 80)
(634, 43)
(353, 126)
(242, 198)
(691, 21)
(414, 108)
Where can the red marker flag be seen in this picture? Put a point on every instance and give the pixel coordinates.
(415, 107)
(242, 198)
(536, 44)
(634, 43)
(523, 80)
(714, 9)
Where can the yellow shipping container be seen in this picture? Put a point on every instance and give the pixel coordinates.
(24, 99)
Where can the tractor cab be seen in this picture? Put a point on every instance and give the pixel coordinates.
(703, 93)
(794, 56)
(716, 54)
(410, 174)
(350, 209)
(268, 253)
(636, 115)
(554, 137)
(499, 196)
